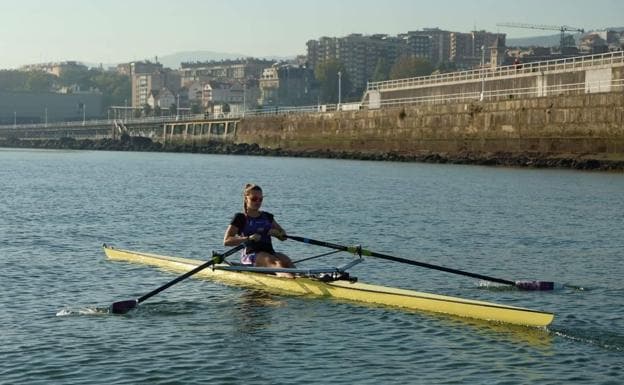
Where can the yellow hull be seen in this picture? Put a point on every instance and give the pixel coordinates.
(354, 291)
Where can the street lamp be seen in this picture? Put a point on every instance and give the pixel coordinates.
(14, 119)
(46, 117)
(178, 107)
(339, 88)
(482, 74)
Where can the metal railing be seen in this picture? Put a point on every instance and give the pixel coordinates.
(566, 64)
(509, 94)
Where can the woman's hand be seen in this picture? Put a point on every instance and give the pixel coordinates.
(254, 237)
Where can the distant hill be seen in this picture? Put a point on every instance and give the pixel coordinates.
(538, 41)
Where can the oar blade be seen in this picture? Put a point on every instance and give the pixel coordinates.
(122, 307)
(535, 285)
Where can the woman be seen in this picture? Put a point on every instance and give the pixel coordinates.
(257, 227)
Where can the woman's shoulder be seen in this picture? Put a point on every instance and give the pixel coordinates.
(268, 215)
(238, 220)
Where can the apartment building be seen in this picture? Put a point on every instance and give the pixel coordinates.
(147, 77)
(235, 70)
(287, 85)
(358, 53)
(467, 50)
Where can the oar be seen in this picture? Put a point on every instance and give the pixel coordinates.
(123, 307)
(523, 285)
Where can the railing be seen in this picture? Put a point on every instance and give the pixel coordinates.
(507, 94)
(566, 64)
(109, 122)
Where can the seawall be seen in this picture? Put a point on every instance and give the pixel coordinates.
(553, 126)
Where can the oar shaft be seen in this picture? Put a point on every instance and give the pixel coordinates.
(369, 253)
(189, 273)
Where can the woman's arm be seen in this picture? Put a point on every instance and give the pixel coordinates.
(231, 237)
(277, 231)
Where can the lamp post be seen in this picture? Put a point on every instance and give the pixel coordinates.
(84, 113)
(244, 97)
(339, 89)
(14, 119)
(482, 74)
(46, 117)
(178, 107)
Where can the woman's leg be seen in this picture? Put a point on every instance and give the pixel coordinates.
(264, 259)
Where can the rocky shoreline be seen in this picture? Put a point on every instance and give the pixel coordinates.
(531, 160)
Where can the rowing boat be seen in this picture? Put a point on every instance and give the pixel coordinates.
(319, 282)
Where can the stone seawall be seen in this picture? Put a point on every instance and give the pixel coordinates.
(555, 126)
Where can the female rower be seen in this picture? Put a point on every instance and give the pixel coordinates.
(257, 227)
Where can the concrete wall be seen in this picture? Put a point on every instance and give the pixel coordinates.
(567, 124)
(30, 107)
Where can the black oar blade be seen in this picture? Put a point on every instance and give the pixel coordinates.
(122, 307)
(535, 285)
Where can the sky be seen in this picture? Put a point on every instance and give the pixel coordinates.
(115, 31)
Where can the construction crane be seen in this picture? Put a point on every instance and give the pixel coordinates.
(563, 29)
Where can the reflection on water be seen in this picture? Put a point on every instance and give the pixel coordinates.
(252, 310)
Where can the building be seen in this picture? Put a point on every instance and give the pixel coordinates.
(55, 68)
(224, 70)
(468, 50)
(147, 77)
(359, 54)
(216, 95)
(287, 85)
(162, 98)
(42, 107)
(594, 43)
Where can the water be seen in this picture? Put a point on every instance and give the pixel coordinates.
(57, 208)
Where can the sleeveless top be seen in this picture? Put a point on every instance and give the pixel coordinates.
(261, 224)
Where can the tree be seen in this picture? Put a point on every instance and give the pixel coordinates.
(445, 67)
(115, 88)
(39, 81)
(327, 76)
(196, 108)
(382, 69)
(409, 67)
(147, 109)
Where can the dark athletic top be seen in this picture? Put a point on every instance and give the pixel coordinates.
(247, 226)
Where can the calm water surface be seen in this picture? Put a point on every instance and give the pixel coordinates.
(57, 208)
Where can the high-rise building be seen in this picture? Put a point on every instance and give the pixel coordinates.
(359, 54)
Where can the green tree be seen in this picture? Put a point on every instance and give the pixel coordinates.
(409, 67)
(196, 108)
(79, 76)
(147, 110)
(327, 76)
(39, 81)
(115, 88)
(382, 69)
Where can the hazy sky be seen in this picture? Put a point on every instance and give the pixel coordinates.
(111, 31)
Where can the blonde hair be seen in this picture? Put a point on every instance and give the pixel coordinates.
(249, 187)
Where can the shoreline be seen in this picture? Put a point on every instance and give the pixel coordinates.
(588, 162)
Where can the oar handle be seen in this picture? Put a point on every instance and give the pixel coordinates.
(357, 250)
